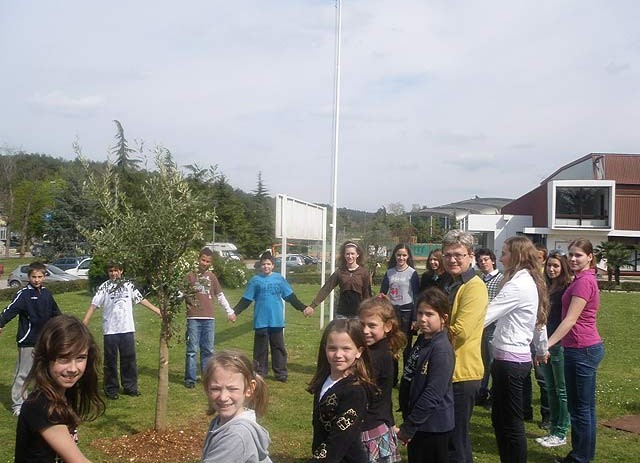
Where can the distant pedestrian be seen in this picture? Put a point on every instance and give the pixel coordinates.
(266, 290)
(116, 297)
(34, 305)
(353, 279)
(400, 283)
(201, 322)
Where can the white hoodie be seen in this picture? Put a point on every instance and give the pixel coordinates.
(240, 440)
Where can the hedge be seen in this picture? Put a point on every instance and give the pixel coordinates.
(56, 287)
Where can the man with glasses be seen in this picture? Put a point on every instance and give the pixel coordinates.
(492, 277)
(469, 298)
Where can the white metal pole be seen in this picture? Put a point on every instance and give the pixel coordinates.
(336, 133)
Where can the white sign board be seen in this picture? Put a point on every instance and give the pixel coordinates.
(302, 220)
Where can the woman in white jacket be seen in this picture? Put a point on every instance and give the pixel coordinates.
(520, 312)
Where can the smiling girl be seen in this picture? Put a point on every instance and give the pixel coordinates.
(401, 284)
(341, 387)
(65, 393)
(353, 279)
(583, 349)
(426, 391)
(385, 341)
(236, 395)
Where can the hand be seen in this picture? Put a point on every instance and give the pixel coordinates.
(308, 311)
(544, 358)
(401, 437)
(231, 317)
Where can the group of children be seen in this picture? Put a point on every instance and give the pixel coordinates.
(357, 365)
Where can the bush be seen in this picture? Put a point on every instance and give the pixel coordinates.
(630, 286)
(606, 285)
(230, 273)
(56, 287)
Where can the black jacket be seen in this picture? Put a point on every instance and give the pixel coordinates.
(34, 308)
(426, 392)
(380, 404)
(337, 423)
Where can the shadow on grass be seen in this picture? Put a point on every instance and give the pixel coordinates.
(238, 329)
(307, 370)
(5, 397)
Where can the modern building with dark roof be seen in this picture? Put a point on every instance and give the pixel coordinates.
(596, 196)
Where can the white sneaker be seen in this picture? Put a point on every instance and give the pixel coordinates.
(540, 440)
(16, 412)
(554, 441)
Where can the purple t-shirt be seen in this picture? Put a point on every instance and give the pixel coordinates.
(584, 333)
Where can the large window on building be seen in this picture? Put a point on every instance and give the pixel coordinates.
(582, 206)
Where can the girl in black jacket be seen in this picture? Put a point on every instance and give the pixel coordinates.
(426, 393)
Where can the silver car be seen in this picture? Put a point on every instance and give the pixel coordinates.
(19, 276)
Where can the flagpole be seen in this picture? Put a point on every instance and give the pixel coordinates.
(336, 133)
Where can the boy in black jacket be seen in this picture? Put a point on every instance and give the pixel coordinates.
(34, 306)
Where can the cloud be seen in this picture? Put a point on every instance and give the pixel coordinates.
(59, 102)
(617, 68)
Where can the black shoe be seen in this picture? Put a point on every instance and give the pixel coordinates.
(282, 379)
(132, 393)
(189, 385)
(112, 396)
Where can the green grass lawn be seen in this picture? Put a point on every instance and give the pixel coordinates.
(289, 418)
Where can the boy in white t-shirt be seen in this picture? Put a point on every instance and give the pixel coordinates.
(116, 297)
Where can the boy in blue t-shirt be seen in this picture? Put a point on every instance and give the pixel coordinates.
(266, 290)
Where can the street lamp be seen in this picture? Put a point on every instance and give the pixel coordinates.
(213, 238)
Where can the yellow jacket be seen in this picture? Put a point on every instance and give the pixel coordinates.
(467, 323)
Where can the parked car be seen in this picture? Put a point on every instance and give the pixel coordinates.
(310, 260)
(82, 269)
(293, 261)
(66, 263)
(19, 276)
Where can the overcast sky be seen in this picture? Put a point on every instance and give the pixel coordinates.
(441, 100)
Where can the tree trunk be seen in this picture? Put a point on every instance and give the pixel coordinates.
(162, 397)
(617, 275)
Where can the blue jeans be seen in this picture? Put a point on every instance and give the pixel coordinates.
(200, 335)
(580, 366)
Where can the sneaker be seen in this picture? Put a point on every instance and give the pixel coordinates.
(132, 393)
(554, 441)
(189, 385)
(540, 440)
(16, 412)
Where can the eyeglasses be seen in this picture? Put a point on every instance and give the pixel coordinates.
(457, 257)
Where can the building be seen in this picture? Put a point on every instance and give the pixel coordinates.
(596, 196)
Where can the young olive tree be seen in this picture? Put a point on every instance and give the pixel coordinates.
(152, 241)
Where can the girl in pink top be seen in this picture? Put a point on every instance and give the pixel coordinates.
(583, 350)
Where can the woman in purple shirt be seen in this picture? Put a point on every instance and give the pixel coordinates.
(583, 349)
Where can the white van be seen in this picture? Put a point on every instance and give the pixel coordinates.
(226, 250)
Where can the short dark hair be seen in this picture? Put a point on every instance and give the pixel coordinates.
(114, 264)
(267, 256)
(486, 252)
(36, 267)
(206, 251)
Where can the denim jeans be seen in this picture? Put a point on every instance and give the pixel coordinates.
(580, 366)
(506, 412)
(404, 319)
(200, 336)
(553, 372)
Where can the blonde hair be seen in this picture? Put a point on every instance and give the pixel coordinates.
(238, 362)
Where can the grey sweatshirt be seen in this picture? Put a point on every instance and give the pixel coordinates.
(240, 440)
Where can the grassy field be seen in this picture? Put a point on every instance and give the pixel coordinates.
(289, 418)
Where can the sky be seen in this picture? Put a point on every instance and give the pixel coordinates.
(440, 100)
